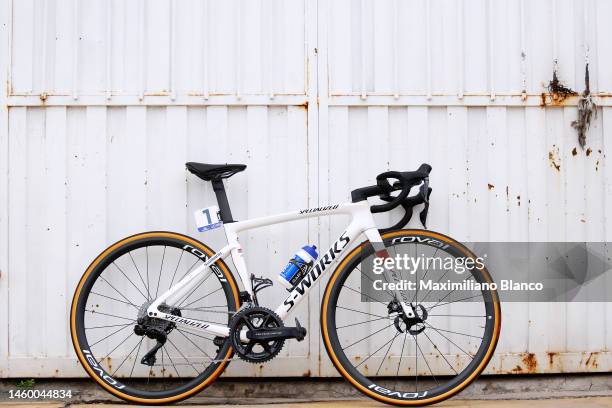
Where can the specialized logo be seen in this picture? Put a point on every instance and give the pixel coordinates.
(184, 320)
(420, 240)
(311, 210)
(100, 371)
(205, 258)
(404, 395)
(317, 270)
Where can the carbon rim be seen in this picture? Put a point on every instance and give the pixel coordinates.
(118, 285)
(400, 384)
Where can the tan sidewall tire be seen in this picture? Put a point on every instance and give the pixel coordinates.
(73, 315)
(325, 330)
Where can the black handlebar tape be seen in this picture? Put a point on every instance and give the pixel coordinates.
(424, 168)
(382, 181)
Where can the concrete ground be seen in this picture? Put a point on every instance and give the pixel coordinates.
(536, 391)
(588, 402)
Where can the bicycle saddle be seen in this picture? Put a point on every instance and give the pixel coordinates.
(212, 172)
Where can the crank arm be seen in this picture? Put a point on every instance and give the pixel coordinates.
(278, 333)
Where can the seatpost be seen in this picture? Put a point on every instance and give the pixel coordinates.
(224, 208)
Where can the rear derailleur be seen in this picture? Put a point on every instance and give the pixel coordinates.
(156, 329)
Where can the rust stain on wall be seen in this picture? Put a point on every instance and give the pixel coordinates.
(591, 362)
(558, 94)
(531, 363)
(553, 158)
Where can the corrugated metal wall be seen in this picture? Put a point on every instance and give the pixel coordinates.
(105, 100)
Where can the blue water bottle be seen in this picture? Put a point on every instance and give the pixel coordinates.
(298, 266)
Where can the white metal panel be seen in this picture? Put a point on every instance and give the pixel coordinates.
(452, 47)
(4, 199)
(495, 177)
(106, 99)
(82, 178)
(118, 47)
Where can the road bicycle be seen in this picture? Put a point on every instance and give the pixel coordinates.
(158, 316)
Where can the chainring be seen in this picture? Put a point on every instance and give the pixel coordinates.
(253, 318)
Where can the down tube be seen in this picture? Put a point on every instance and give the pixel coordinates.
(329, 258)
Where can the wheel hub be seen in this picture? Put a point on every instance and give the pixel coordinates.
(413, 325)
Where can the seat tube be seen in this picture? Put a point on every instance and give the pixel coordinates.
(238, 259)
(224, 208)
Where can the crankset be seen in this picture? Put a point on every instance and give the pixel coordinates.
(258, 334)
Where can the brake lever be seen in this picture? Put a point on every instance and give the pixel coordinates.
(424, 190)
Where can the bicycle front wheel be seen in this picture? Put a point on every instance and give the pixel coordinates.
(119, 345)
(403, 360)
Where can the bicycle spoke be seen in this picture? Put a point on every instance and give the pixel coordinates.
(363, 294)
(426, 363)
(163, 370)
(160, 272)
(372, 280)
(197, 335)
(415, 298)
(116, 300)
(126, 357)
(448, 294)
(116, 347)
(201, 309)
(185, 358)
(416, 276)
(454, 301)
(371, 354)
(359, 341)
(448, 331)
(129, 280)
(441, 355)
(386, 353)
(190, 268)
(147, 254)
(359, 311)
(191, 341)
(115, 332)
(115, 289)
(194, 290)
(203, 297)
(108, 314)
(136, 358)
(401, 354)
(104, 327)
(416, 364)
(176, 269)
(365, 321)
(438, 281)
(140, 276)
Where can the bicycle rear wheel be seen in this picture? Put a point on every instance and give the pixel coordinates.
(108, 317)
(367, 338)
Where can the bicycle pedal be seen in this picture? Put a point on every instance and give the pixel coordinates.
(299, 331)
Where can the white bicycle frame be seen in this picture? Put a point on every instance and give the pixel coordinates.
(361, 222)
